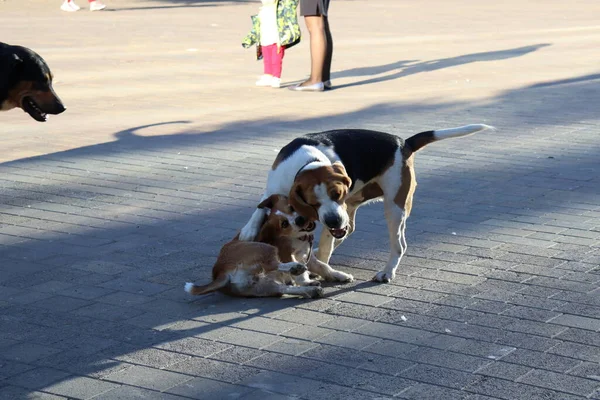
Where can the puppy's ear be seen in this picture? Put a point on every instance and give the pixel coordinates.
(339, 169)
(297, 201)
(269, 202)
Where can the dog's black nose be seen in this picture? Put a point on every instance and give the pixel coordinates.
(300, 221)
(333, 221)
(59, 108)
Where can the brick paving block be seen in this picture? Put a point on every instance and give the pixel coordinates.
(588, 370)
(148, 378)
(80, 387)
(286, 364)
(12, 392)
(361, 379)
(576, 350)
(438, 376)
(447, 359)
(133, 392)
(266, 325)
(61, 303)
(27, 352)
(503, 370)
(10, 368)
(291, 385)
(546, 361)
(107, 312)
(292, 347)
(423, 391)
(84, 292)
(214, 369)
(479, 348)
(134, 286)
(152, 357)
(580, 336)
(504, 389)
(338, 355)
(305, 317)
(560, 382)
(368, 299)
(307, 332)
(386, 365)
(194, 346)
(237, 354)
(202, 388)
(347, 339)
(38, 378)
(577, 321)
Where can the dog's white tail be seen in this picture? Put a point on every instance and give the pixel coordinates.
(422, 139)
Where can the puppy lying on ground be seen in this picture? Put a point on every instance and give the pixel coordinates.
(26, 83)
(274, 265)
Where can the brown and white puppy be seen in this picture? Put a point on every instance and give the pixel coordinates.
(273, 265)
(26, 83)
(328, 175)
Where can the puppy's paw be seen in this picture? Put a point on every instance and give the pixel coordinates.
(384, 276)
(298, 269)
(343, 277)
(316, 292)
(313, 282)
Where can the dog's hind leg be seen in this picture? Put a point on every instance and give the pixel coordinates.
(398, 189)
(309, 292)
(396, 220)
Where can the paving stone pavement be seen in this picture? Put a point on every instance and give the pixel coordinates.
(106, 210)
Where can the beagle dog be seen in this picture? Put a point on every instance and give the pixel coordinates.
(329, 175)
(274, 265)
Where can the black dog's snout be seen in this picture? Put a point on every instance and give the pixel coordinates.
(58, 108)
(300, 221)
(333, 221)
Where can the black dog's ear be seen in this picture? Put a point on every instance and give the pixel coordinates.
(10, 65)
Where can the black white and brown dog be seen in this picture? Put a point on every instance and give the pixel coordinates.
(328, 175)
(26, 83)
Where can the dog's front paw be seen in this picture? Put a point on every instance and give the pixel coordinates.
(316, 292)
(384, 276)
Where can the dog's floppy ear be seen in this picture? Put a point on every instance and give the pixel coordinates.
(299, 204)
(269, 202)
(10, 66)
(339, 168)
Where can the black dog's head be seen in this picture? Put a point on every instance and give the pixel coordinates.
(26, 83)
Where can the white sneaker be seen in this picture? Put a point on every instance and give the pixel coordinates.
(96, 6)
(69, 6)
(265, 80)
(275, 82)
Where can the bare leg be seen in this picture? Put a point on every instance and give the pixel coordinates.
(329, 53)
(318, 48)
